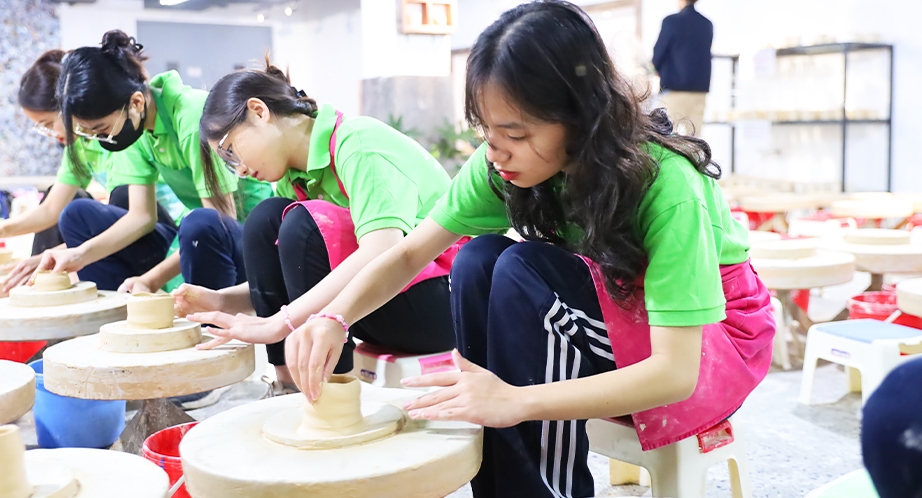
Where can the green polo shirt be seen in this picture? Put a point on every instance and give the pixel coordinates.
(684, 222)
(172, 151)
(100, 163)
(391, 180)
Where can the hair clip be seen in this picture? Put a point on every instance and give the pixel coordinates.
(299, 93)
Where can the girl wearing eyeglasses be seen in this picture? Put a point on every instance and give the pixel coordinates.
(358, 187)
(151, 129)
(118, 252)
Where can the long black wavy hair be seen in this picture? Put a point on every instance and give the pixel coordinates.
(97, 81)
(549, 59)
(226, 107)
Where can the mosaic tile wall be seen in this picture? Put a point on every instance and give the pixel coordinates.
(27, 28)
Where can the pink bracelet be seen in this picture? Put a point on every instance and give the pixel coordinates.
(288, 319)
(338, 318)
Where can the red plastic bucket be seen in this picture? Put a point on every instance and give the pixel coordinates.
(162, 448)
(879, 306)
(20, 351)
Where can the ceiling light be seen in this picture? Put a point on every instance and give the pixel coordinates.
(606, 14)
(289, 11)
(260, 17)
(167, 3)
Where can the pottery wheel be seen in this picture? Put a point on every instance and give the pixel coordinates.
(909, 296)
(94, 474)
(825, 269)
(874, 208)
(882, 258)
(60, 322)
(80, 369)
(877, 236)
(227, 456)
(378, 420)
(756, 236)
(120, 337)
(17, 390)
(25, 296)
(779, 203)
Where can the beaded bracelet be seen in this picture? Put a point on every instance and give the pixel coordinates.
(338, 318)
(288, 319)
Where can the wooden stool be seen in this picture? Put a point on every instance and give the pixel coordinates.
(678, 470)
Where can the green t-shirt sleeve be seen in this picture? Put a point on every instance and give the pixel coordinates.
(471, 207)
(132, 166)
(380, 195)
(682, 284)
(67, 172)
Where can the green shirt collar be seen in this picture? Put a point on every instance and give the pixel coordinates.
(319, 156)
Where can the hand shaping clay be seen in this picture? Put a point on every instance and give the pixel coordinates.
(228, 455)
(338, 418)
(38, 295)
(150, 311)
(47, 281)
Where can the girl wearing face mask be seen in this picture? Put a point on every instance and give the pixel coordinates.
(359, 186)
(136, 245)
(151, 130)
(632, 294)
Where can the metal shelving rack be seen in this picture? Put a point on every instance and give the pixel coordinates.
(830, 48)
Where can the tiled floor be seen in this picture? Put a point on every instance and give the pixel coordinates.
(792, 448)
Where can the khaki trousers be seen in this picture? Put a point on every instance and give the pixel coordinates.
(686, 110)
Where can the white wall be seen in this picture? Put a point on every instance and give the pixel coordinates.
(323, 74)
(388, 52)
(742, 26)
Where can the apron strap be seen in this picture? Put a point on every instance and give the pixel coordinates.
(339, 119)
(300, 191)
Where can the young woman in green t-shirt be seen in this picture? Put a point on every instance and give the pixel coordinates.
(145, 230)
(358, 186)
(632, 294)
(151, 128)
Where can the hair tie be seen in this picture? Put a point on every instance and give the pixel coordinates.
(299, 93)
(134, 43)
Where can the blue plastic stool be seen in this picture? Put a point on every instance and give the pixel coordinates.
(64, 422)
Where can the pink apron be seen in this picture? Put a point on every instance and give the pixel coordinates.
(735, 355)
(338, 231)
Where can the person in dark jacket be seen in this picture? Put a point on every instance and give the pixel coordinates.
(682, 57)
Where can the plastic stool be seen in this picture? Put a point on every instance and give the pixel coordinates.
(385, 368)
(780, 354)
(872, 347)
(678, 470)
(856, 484)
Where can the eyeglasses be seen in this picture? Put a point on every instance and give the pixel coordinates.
(44, 131)
(231, 161)
(95, 136)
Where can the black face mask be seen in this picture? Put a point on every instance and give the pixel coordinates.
(127, 136)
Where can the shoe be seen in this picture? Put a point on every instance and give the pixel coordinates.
(276, 388)
(199, 400)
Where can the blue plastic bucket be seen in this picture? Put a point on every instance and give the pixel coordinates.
(64, 422)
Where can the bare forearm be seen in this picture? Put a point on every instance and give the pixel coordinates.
(324, 292)
(387, 275)
(236, 299)
(32, 221)
(650, 383)
(124, 232)
(159, 275)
